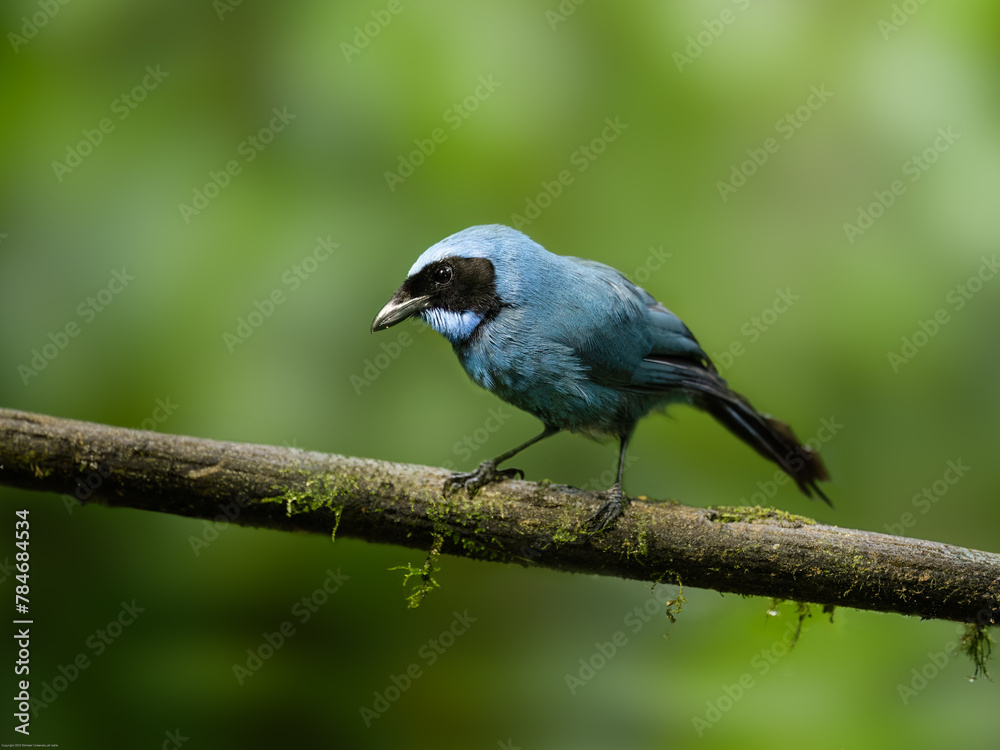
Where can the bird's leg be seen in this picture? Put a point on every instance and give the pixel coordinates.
(487, 472)
(614, 499)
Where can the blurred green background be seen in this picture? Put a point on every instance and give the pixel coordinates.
(815, 115)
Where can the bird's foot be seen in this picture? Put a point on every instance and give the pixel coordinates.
(609, 513)
(486, 473)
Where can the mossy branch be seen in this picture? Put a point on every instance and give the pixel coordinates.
(750, 551)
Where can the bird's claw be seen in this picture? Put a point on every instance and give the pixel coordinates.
(486, 473)
(609, 512)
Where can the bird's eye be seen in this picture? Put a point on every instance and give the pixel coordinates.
(442, 275)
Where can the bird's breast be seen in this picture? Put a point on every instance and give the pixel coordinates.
(547, 379)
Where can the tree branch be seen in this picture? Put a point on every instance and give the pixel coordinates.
(749, 551)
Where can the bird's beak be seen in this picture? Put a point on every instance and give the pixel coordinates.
(400, 307)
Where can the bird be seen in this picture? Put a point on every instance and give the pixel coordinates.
(578, 345)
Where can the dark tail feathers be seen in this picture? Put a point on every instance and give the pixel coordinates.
(771, 438)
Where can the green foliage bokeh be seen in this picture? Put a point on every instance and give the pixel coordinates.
(607, 131)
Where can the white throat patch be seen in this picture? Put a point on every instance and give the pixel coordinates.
(454, 326)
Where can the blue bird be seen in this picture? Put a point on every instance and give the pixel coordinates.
(578, 345)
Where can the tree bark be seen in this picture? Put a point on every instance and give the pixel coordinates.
(750, 551)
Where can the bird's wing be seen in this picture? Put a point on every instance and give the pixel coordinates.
(637, 344)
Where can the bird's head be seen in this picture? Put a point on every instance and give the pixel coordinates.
(459, 283)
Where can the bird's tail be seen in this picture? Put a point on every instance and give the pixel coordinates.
(770, 437)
